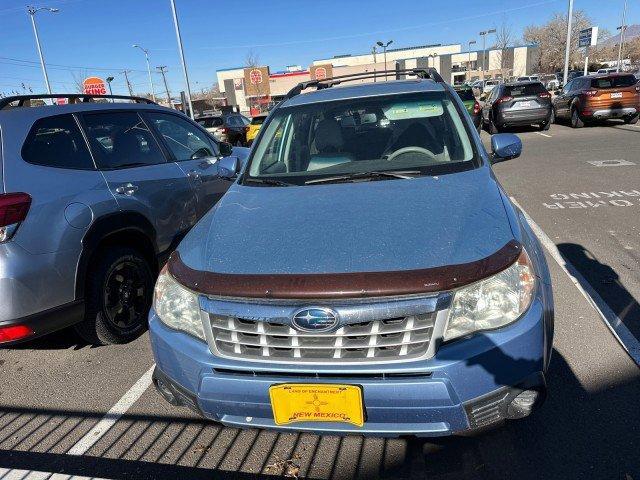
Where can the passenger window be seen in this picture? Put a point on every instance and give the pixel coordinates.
(121, 140)
(57, 142)
(185, 141)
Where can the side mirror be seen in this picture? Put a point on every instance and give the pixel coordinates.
(226, 149)
(505, 146)
(228, 167)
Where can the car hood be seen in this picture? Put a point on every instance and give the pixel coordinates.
(376, 226)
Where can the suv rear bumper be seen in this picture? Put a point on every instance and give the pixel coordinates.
(523, 117)
(469, 384)
(614, 112)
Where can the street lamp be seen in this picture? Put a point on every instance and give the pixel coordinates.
(471, 42)
(484, 34)
(384, 49)
(146, 56)
(109, 80)
(32, 13)
(622, 29)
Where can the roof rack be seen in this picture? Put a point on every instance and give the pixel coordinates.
(320, 84)
(22, 99)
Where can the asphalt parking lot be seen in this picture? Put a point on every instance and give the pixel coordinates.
(90, 412)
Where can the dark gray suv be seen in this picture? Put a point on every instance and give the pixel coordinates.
(517, 104)
(94, 195)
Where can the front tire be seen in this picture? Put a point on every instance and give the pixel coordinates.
(552, 117)
(118, 296)
(576, 121)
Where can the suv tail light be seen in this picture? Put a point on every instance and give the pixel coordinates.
(504, 99)
(13, 210)
(476, 108)
(14, 332)
(591, 93)
(545, 95)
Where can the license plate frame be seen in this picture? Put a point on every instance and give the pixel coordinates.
(525, 104)
(616, 95)
(317, 402)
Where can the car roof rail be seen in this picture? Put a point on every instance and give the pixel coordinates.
(320, 84)
(71, 97)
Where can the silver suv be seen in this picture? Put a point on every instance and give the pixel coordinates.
(94, 195)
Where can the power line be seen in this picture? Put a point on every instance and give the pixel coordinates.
(68, 67)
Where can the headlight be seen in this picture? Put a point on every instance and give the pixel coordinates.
(177, 307)
(493, 302)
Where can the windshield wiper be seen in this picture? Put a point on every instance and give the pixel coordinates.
(268, 181)
(403, 174)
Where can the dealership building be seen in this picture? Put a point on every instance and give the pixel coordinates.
(251, 89)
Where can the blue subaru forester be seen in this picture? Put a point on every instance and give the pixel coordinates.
(366, 273)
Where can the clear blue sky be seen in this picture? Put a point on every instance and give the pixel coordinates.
(95, 37)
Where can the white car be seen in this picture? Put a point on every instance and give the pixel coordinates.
(489, 84)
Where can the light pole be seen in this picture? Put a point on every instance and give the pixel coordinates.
(567, 50)
(32, 13)
(484, 34)
(622, 28)
(375, 60)
(384, 49)
(471, 42)
(146, 56)
(184, 65)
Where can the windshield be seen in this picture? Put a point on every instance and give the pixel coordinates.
(423, 133)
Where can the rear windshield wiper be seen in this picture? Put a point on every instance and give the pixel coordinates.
(268, 181)
(403, 174)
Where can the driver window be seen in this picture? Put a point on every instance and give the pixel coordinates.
(186, 141)
(567, 87)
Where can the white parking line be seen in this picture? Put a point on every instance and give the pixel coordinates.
(611, 320)
(113, 415)
(543, 134)
(16, 474)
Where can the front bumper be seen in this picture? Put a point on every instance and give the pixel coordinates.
(468, 384)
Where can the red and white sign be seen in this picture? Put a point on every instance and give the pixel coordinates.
(256, 76)
(62, 101)
(321, 73)
(94, 86)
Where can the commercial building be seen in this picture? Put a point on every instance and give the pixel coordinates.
(251, 89)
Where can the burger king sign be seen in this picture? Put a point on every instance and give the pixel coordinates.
(94, 86)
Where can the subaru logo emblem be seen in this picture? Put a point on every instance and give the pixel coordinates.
(315, 319)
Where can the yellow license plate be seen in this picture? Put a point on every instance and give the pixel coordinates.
(316, 402)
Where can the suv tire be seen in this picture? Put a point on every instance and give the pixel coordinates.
(552, 116)
(118, 297)
(631, 120)
(576, 121)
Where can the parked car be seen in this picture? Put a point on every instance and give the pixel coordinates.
(254, 127)
(471, 104)
(528, 78)
(598, 97)
(517, 104)
(231, 128)
(489, 84)
(550, 81)
(365, 274)
(93, 198)
(606, 70)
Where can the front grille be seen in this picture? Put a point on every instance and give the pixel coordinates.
(401, 338)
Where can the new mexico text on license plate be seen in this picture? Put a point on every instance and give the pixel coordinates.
(318, 402)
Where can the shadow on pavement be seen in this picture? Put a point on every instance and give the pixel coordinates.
(606, 281)
(576, 434)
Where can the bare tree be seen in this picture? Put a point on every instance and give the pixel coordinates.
(552, 39)
(252, 60)
(78, 79)
(504, 39)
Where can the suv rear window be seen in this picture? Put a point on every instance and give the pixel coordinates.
(618, 81)
(465, 94)
(524, 90)
(211, 122)
(57, 142)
